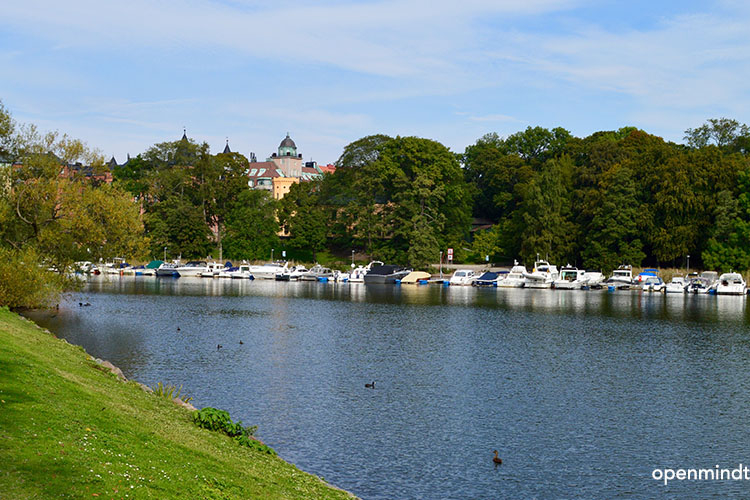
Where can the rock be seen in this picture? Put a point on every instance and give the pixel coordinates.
(113, 369)
(145, 388)
(182, 403)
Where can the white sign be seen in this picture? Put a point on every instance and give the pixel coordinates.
(450, 255)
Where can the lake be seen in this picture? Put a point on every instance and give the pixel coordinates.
(583, 393)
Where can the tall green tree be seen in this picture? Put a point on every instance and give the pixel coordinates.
(251, 226)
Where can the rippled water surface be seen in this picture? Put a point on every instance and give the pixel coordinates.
(583, 393)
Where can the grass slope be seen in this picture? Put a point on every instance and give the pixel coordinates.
(69, 429)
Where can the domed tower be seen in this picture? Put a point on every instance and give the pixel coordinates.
(287, 147)
(287, 160)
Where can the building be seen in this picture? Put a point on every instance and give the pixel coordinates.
(282, 169)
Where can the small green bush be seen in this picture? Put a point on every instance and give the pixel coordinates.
(25, 282)
(214, 419)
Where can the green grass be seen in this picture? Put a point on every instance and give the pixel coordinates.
(69, 429)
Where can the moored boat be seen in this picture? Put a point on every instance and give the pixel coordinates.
(677, 285)
(514, 278)
(571, 278)
(542, 275)
(487, 279)
(386, 273)
(358, 275)
(731, 284)
(463, 277)
(168, 270)
(415, 277)
(192, 269)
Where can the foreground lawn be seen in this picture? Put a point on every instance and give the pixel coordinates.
(70, 429)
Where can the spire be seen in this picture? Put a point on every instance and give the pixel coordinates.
(184, 134)
(226, 148)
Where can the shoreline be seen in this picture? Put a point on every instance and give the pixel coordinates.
(74, 426)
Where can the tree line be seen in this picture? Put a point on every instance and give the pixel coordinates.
(613, 197)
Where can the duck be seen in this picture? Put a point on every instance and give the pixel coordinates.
(178, 328)
(370, 386)
(496, 459)
(219, 346)
(241, 342)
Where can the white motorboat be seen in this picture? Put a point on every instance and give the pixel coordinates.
(315, 273)
(731, 284)
(192, 269)
(463, 277)
(488, 278)
(622, 277)
(571, 278)
(652, 284)
(212, 270)
(358, 275)
(291, 274)
(594, 279)
(242, 272)
(266, 271)
(677, 285)
(515, 278)
(703, 283)
(542, 276)
(168, 270)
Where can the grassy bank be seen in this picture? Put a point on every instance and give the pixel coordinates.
(70, 429)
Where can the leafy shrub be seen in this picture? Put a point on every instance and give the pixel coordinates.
(25, 283)
(219, 420)
(170, 392)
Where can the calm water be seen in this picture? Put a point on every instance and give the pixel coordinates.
(583, 393)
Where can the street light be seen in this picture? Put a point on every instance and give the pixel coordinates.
(688, 267)
(352, 258)
(441, 264)
(272, 255)
(165, 254)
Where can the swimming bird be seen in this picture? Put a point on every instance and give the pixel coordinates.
(219, 347)
(241, 342)
(178, 328)
(496, 459)
(370, 386)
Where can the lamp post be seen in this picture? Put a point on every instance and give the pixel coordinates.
(441, 264)
(688, 264)
(272, 255)
(352, 258)
(165, 254)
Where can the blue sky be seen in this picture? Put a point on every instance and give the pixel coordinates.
(123, 76)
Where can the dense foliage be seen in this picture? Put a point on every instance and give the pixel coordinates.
(48, 221)
(613, 197)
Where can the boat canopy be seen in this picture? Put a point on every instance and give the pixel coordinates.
(488, 276)
(385, 269)
(415, 276)
(154, 264)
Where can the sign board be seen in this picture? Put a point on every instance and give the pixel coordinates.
(450, 255)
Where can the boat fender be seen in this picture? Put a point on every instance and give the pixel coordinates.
(611, 288)
(448, 283)
(397, 282)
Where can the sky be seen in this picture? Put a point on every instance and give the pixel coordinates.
(123, 76)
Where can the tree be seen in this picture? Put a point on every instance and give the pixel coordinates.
(251, 226)
(728, 248)
(178, 225)
(723, 132)
(613, 235)
(304, 217)
(542, 223)
(488, 242)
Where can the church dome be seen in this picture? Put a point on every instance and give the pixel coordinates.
(287, 143)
